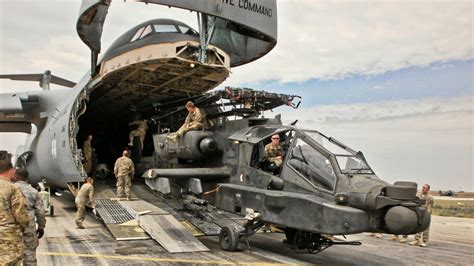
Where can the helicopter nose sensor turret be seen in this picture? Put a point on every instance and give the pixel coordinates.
(403, 220)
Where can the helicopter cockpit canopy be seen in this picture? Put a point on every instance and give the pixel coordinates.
(349, 161)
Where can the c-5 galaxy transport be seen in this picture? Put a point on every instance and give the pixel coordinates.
(322, 187)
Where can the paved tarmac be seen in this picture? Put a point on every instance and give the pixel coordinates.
(451, 242)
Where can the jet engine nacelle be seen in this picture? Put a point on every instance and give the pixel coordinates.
(194, 145)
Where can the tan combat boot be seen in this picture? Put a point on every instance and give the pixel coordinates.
(422, 243)
(393, 238)
(172, 137)
(79, 225)
(414, 242)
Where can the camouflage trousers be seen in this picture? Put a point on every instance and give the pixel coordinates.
(137, 133)
(278, 162)
(123, 184)
(81, 212)
(87, 165)
(11, 246)
(425, 235)
(30, 240)
(188, 127)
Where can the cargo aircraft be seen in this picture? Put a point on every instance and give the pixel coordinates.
(322, 188)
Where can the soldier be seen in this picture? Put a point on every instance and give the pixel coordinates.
(35, 209)
(422, 238)
(83, 197)
(274, 151)
(13, 217)
(87, 152)
(194, 121)
(124, 172)
(139, 132)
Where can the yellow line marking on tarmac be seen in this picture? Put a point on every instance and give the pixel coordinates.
(103, 256)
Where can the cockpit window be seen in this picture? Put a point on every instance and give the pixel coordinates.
(349, 162)
(137, 35)
(353, 165)
(146, 31)
(187, 30)
(333, 148)
(165, 28)
(311, 164)
(141, 32)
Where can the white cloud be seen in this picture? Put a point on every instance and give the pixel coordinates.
(334, 39)
(427, 141)
(317, 39)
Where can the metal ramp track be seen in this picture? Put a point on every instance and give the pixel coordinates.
(164, 227)
(114, 215)
(112, 212)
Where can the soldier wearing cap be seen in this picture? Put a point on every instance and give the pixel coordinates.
(13, 217)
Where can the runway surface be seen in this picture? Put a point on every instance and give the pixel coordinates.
(451, 242)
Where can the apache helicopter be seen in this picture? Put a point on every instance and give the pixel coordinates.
(152, 70)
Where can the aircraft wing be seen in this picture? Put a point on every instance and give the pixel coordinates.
(42, 78)
(15, 115)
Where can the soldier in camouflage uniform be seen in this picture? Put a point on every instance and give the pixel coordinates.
(139, 132)
(84, 197)
(35, 209)
(87, 152)
(13, 217)
(422, 238)
(124, 172)
(194, 121)
(274, 151)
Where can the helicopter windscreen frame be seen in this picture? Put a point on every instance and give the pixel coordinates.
(352, 162)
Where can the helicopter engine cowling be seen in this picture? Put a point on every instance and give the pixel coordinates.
(194, 145)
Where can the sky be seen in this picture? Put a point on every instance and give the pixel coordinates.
(393, 79)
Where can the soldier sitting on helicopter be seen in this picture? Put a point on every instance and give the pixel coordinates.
(194, 121)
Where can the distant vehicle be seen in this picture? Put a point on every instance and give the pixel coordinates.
(151, 71)
(448, 193)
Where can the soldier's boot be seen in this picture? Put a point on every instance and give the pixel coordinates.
(379, 235)
(173, 138)
(422, 243)
(414, 242)
(403, 240)
(393, 238)
(79, 225)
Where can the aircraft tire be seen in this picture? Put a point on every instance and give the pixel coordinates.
(228, 239)
(51, 210)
